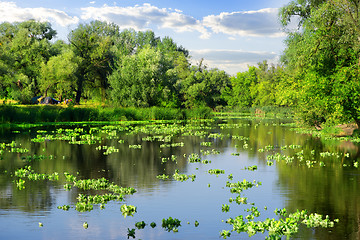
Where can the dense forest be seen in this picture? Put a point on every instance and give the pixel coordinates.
(318, 75)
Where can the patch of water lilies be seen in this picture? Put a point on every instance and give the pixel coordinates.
(276, 229)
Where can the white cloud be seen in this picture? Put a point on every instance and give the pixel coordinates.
(141, 17)
(232, 61)
(10, 12)
(263, 22)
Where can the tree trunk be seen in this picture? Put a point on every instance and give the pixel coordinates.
(79, 89)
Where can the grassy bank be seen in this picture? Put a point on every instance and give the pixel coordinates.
(264, 111)
(36, 114)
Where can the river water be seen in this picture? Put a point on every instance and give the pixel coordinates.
(294, 171)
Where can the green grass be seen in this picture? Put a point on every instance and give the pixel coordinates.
(40, 114)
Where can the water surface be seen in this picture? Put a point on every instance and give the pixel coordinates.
(318, 176)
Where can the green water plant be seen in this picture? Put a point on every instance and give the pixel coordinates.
(238, 187)
(64, 207)
(287, 226)
(251, 168)
(194, 157)
(163, 177)
(131, 233)
(140, 225)
(196, 223)
(127, 210)
(225, 234)
(171, 224)
(216, 171)
(183, 177)
(85, 225)
(225, 208)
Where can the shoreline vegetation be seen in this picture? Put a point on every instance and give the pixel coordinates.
(44, 114)
(50, 114)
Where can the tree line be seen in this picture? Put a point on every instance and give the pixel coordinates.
(100, 62)
(318, 76)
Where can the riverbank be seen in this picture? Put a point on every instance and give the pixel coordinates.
(38, 114)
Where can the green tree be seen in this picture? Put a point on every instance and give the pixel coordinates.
(239, 94)
(205, 88)
(93, 44)
(25, 47)
(58, 75)
(140, 80)
(324, 57)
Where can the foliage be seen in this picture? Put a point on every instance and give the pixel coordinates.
(24, 47)
(141, 80)
(92, 43)
(324, 58)
(204, 88)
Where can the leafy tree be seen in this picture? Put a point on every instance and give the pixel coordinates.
(140, 80)
(25, 47)
(58, 75)
(324, 57)
(205, 87)
(259, 86)
(239, 94)
(92, 43)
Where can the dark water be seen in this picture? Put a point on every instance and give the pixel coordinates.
(319, 176)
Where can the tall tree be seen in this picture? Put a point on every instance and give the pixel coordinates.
(26, 46)
(141, 80)
(58, 75)
(93, 44)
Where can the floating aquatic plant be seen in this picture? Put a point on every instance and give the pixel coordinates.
(251, 168)
(163, 177)
(196, 223)
(238, 187)
(64, 207)
(278, 228)
(194, 157)
(171, 224)
(85, 225)
(225, 208)
(127, 210)
(131, 233)
(183, 177)
(216, 171)
(225, 234)
(140, 225)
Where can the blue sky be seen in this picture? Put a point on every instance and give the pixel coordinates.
(228, 34)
